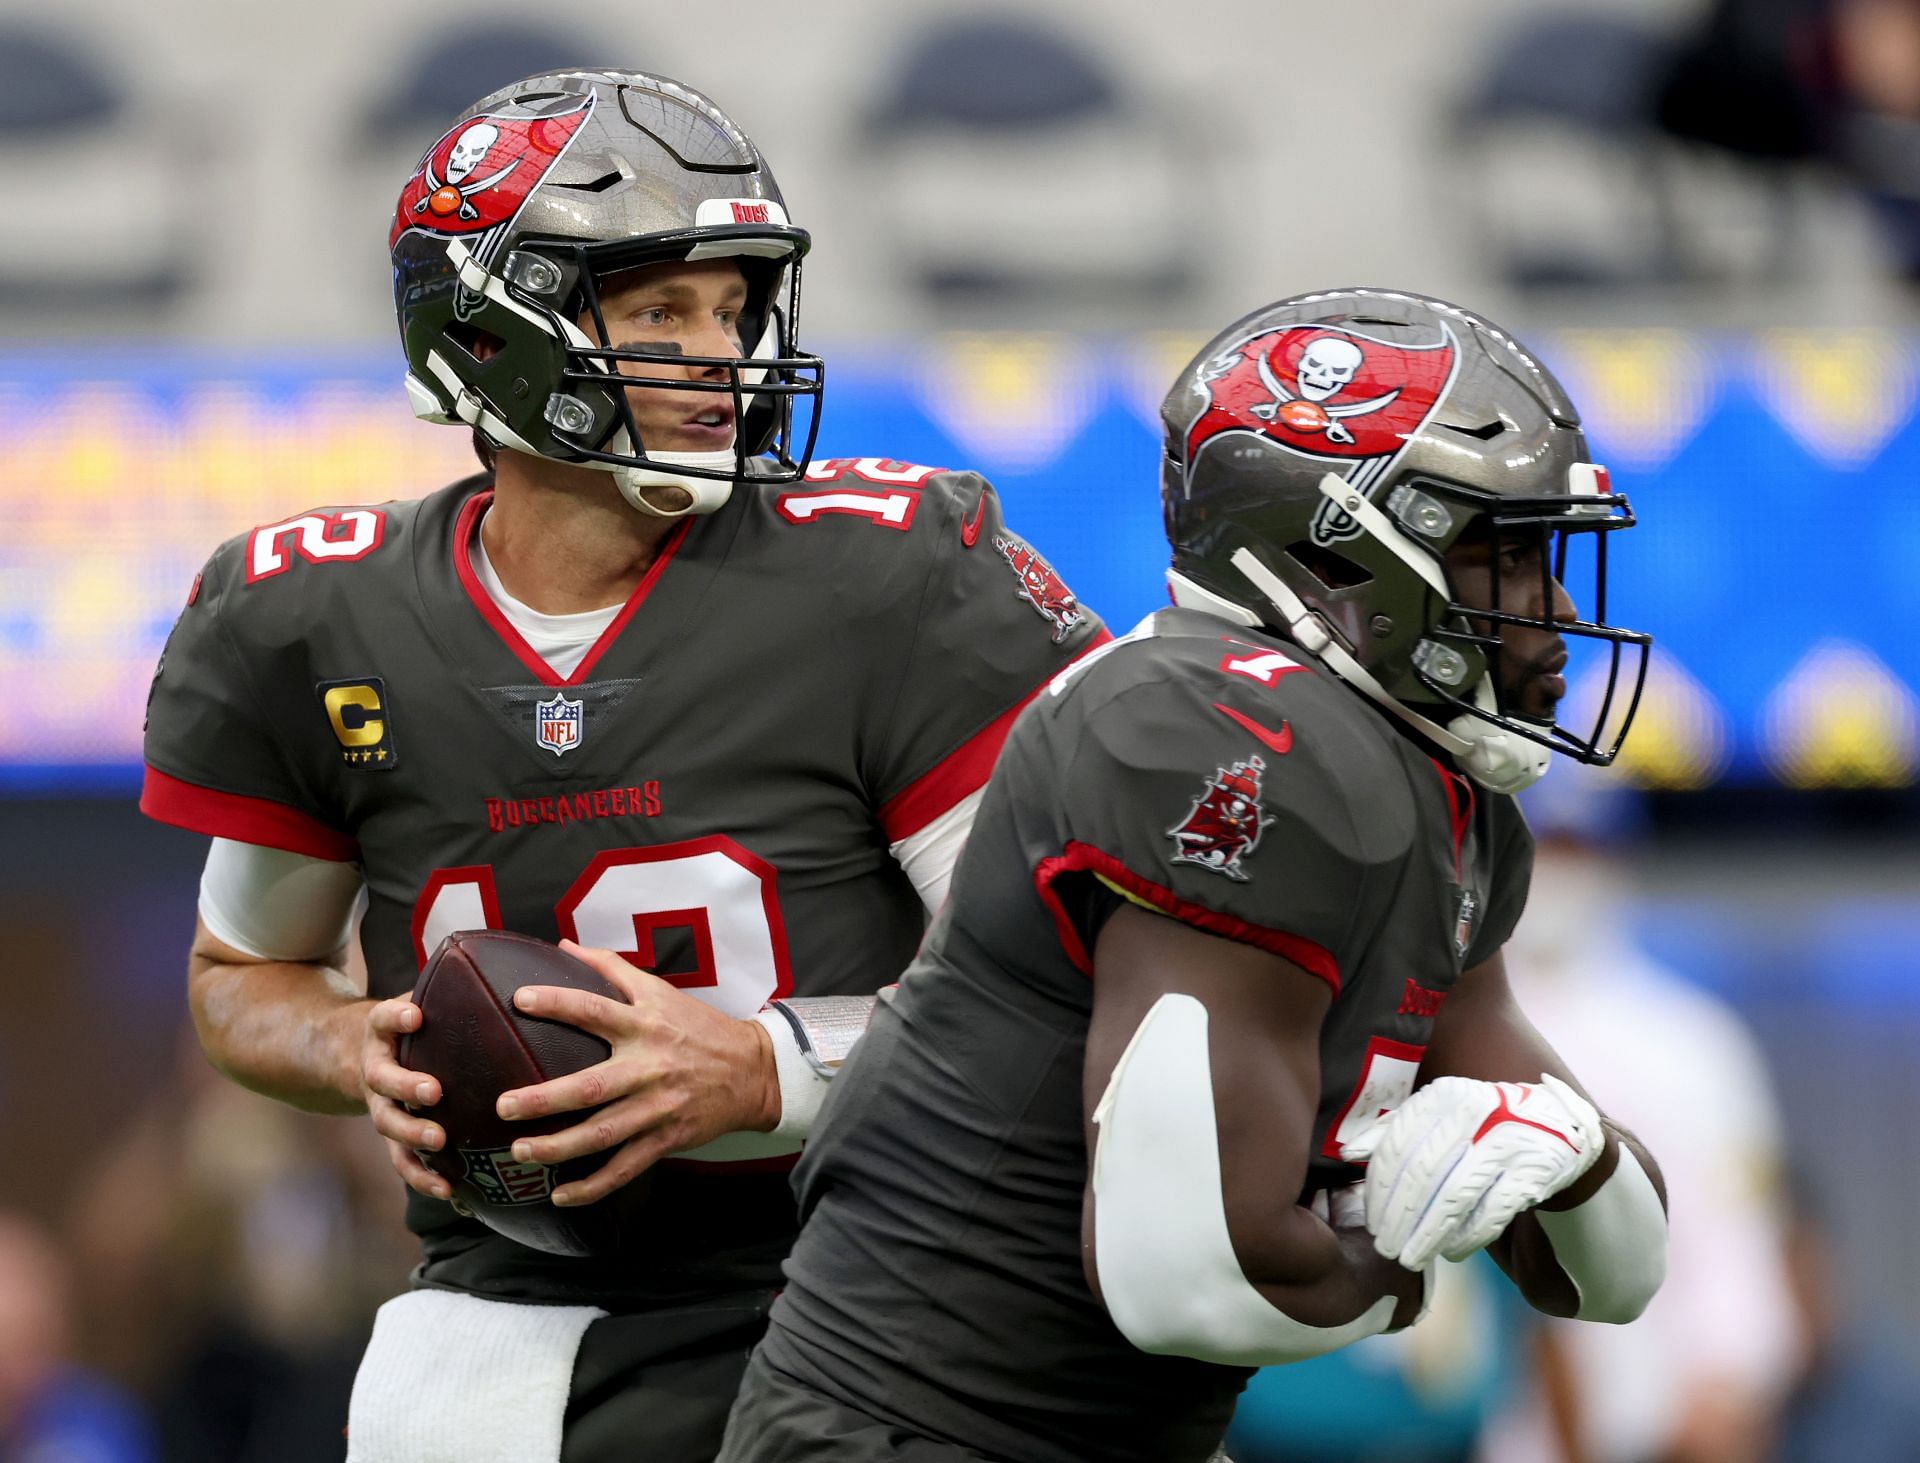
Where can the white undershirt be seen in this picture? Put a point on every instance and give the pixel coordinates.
(276, 905)
(562, 641)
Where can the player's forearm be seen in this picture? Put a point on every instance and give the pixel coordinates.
(289, 1031)
(1526, 1250)
(1323, 1276)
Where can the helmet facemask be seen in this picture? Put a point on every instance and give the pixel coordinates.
(536, 300)
(1453, 676)
(1544, 557)
(761, 385)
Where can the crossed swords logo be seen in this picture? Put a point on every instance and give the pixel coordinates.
(450, 195)
(1303, 410)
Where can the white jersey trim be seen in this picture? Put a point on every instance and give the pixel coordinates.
(276, 905)
(928, 856)
(562, 641)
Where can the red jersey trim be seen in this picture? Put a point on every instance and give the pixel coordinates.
(964, 770)
(1459, 815)
(1316, 960)
(464, 528)
(244, 819)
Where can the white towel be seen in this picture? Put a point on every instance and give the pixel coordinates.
(453, 1378)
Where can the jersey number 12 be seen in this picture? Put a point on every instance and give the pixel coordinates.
(712, 888)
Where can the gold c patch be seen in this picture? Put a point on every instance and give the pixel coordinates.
(357, 712)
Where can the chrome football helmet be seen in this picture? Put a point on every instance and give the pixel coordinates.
(1326, 453)
(535, 195)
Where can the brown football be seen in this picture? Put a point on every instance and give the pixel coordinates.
(478, 1044)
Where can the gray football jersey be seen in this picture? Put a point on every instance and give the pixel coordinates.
(1221, 777)
(804, 677)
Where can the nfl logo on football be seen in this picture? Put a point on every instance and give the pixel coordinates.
(557, 724)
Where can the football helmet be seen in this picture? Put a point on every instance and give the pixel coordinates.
(1323, 456)
(535, 195)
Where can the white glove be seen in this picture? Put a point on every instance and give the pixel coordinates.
(1450, 1167)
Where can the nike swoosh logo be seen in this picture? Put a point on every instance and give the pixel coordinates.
(970, 527)
(1280, 742)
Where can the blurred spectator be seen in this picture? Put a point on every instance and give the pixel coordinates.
(1421, 1396)
(1701, 1376)
(1791, 81)
(1877, 55)
(51, 1410)
(235, 1252)
(1856, 1400)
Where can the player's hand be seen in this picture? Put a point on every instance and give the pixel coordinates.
(390, 1087)
(1344, 1211)
(1449, 1168)
(680, 1074)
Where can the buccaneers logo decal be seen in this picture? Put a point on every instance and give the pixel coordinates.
(1042, 588)
(1223, 825)
(1328, 393)
(478, 175)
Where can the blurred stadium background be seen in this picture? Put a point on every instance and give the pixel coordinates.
(1705, 215)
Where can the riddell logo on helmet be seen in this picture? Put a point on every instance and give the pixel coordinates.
(477, 176)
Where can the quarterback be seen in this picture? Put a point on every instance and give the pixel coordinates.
(655, 683)
(1211, 1053)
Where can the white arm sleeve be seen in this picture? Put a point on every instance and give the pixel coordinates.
(929, 855)
(1614, 1246)
(1168, 1273)
(275, 905)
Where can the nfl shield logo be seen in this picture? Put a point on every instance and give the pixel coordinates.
(557, 724)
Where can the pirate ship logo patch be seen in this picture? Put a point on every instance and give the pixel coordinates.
(1225, 822)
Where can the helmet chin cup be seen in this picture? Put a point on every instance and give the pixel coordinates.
(705, 494)
(1496, 759)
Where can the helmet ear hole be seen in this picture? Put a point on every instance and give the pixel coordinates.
(1335, 571)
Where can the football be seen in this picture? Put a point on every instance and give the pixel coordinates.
(474, 1040)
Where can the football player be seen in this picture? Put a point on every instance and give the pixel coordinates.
(654, 684)
(1211, 1053)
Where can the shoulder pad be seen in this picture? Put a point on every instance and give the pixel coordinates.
(1173, 708)
(308, 559)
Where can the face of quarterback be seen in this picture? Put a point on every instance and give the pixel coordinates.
(1511, 575)
(685, 309)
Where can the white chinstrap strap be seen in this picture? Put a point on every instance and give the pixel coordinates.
(453, 1378)
(1614, 1246)
(1167, 1268)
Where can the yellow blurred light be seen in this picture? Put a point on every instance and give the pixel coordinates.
(1678, 740)
(113, 500)
(1840, 393)
(1013, 401)
(1841, 718)
(1642, 393)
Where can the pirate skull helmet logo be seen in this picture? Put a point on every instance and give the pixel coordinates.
(1327, 367)
(452, 195)
(470, 149)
